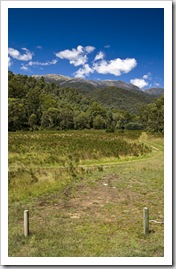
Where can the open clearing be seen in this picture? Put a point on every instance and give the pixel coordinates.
(83, 201)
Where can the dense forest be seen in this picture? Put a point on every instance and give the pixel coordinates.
(123, 99)
(34, 104)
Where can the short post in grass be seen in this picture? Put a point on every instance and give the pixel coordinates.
(146, 220)
(26, 223)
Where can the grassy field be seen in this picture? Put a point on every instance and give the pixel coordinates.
(85, 191)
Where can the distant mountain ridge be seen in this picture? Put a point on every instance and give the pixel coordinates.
(155, 91)
(89, 85)
(64, 81)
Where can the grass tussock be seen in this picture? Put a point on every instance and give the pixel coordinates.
(56, 148)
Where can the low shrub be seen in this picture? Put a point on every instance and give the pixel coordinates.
(134, 126)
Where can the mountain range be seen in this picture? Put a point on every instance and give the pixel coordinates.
(113, 94)
(155, 91)
(87, 86)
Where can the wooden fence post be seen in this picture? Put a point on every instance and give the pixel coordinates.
(26, 223)
(146, 220)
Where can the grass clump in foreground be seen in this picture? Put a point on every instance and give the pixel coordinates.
(80, 210)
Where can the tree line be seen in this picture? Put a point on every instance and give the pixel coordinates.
(34, 104)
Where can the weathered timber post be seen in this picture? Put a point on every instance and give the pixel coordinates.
(146, 220)
(26, 223)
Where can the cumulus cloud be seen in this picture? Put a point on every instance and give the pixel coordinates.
(42, 63)
(9, 61)
(89, 49)
(76, 56)
(115, 67)
(99, 56)
(83, 72)
(142, 82)
(18, 56)
(139, 82)
(79, 56)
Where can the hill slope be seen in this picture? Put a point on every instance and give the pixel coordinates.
(122, 99)
(155, 91)
(87, 85)
(114, 94)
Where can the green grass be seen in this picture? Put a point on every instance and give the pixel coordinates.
(72, 211)
(54, 148)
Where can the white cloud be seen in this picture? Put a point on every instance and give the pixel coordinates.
(25, 49)
(147, 76)
(115, 67)
(23, 67)
(99, 56)
(157, 84)
(89, 49)
(39, 47)
(9, 61)
(42, 63)
(83, 72)
(26, 67)
(76, 56)
(80, 60)
(53, 61)
(139, 82)
(80, 48)
(18, 56)
(107, 46)
(142, 82)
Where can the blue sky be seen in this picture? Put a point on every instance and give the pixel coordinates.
(91, 43)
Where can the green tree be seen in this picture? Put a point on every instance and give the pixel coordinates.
(17, 118)
(82, 121)
(33, 103)
(152, 116)
(10, 75)
(66, 118)
(50, 118)
(17, 87)
(122, 119)
(97, 109)
(99, 122)
(32, 121)
(134, 126)
(47, 101)
(41, 83)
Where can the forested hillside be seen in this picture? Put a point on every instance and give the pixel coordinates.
(110, 93)
(122, 99)
(35, 104)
